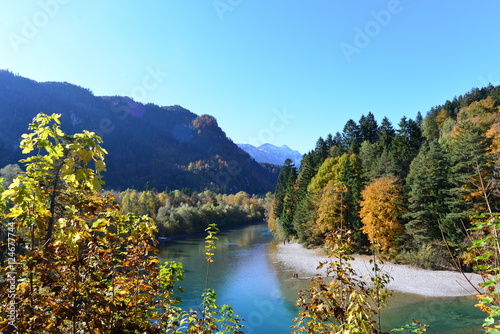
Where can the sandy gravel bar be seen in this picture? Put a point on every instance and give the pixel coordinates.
(405, 279)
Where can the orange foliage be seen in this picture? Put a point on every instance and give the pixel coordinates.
(379, 211)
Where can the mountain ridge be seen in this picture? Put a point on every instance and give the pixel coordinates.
(269, 153)
(162, 146)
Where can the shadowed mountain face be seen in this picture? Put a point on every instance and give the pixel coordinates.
(163, 146)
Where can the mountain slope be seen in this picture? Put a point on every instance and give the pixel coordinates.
(147, 144)
(272, 154)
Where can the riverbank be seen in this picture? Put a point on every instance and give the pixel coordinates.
(405, 279)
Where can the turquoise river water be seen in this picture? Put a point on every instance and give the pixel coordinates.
(247, 276)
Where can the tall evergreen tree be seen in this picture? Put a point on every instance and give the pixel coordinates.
(469, 161)
(368, 128)
(304, 210)
(370, 155)
(405, 147)
(289, 205)
(386, 133)
(284, 187)
(351, 176)
(427, 186)
(330, 142)
(351, 136)
(320, 152)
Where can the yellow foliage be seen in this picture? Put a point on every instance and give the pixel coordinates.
(331, 212)
(379, 211)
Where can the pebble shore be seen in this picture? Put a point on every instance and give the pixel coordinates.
(406, 279)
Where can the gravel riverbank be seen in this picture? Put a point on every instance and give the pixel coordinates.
(405, 279)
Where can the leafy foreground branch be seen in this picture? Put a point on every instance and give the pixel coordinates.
(342, 302)
(71, 262)
(486, 247)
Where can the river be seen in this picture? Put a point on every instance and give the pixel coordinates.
(246, 276)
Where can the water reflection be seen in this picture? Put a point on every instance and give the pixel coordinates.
(247, 276)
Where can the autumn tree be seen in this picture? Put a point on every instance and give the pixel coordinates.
(342, 302)
(331, 209)
(77, 263)
(379, 213)
(342, 172)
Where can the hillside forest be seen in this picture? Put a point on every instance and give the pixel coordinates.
(165, 147)
(408, 191)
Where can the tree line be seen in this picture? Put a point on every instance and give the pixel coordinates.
(180, 212)
(408, 191)
(183, 211)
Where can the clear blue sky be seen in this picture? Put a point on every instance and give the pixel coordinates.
(284, 72)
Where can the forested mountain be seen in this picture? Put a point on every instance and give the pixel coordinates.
(147, 144)
(402, 189)
(272, 154)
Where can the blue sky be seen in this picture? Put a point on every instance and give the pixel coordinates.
(284, 72)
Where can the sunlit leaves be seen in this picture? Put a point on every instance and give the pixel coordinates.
(210, 239)
(81, 265)
(487, 260)
(379, 212)
(341, 302)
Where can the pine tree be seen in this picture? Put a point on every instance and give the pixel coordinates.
(284, 194)
(304, 210)
(386, 133)
(351, 176)
(351, 136)
(320, 152)
(368, 128)
(405, 147)
(370, 155)
(289, 206)
(469, 159)
(427, 185)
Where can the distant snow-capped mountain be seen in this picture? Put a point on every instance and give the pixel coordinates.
(272, 154)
